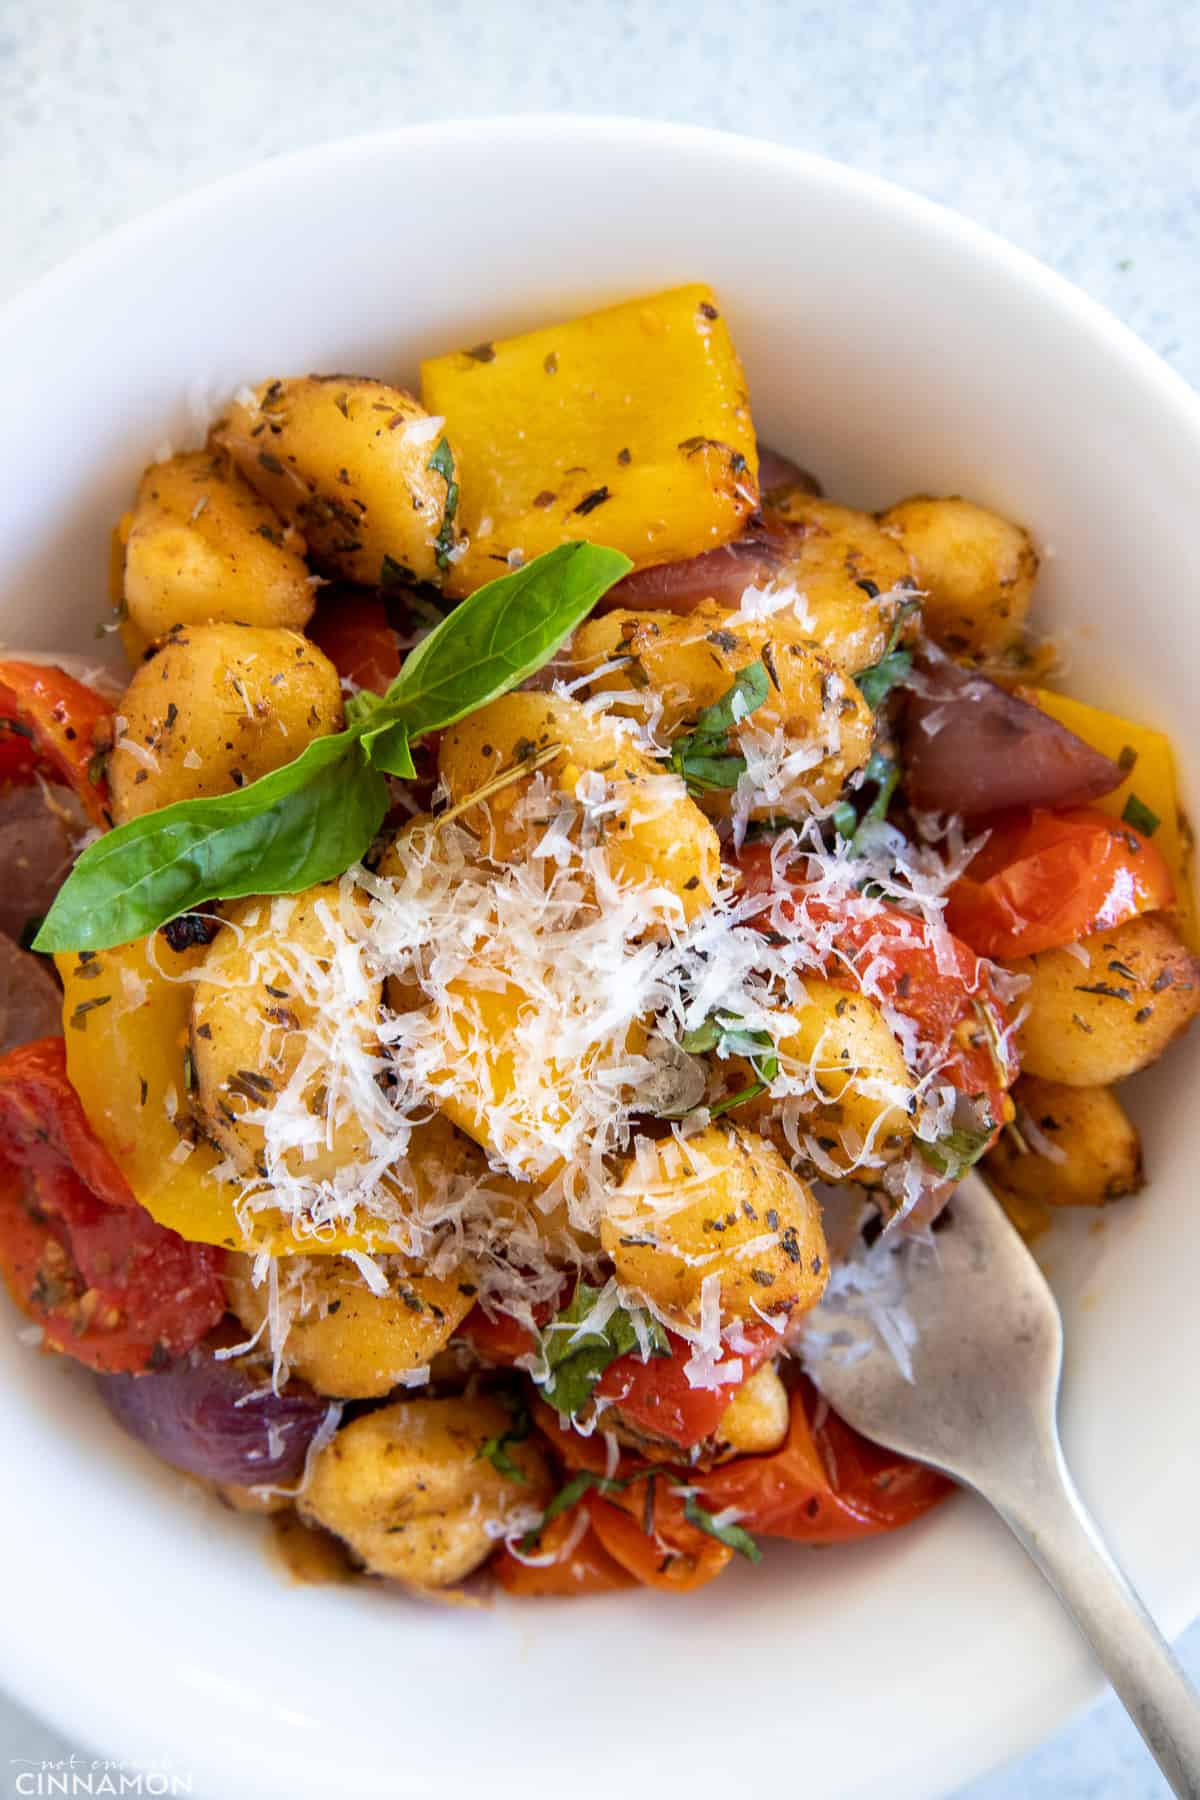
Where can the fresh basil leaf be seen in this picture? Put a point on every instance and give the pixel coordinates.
(386, 748)
(302, 824)
(501, 634)
(1139, 815)
(729, 1035)
(312, 819)
(735, 1536)
(876, 683)
(576, 1363)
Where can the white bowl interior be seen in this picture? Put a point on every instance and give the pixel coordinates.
(892, 348)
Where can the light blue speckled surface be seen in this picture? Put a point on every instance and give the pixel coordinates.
(1070, 126)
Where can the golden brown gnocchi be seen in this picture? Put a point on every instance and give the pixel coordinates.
(669, 669)
(1107, 1007)
(359, 467)
(342, 1338)
(202, 549)
(1071, 1146)
(977, 571)
(215, 708)
(410, 1490)
(651, 831)
(721, 1203)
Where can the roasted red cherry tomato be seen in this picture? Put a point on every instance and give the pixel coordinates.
(1045, 879)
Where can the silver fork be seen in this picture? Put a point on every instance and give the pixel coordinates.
(982, 1406)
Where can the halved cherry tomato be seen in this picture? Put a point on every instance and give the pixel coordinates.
(357, 636)
(585, 1568)
(1045, 879)
(646, 1531)
(656, 1396)
(499, 1339)
(945, 989)
(108, 1285)
(826, 1484)
(54, 725)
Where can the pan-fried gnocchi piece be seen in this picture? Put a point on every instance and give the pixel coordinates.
(1081, 1148)
(852, 577)
(202, 548)
(411, 1490)
(279, 1002)
(651, 831)
(976, 568)
(1103, 1014)
(362, 470)
(672, 667)
(756, 1419)
(859, 1099)
(214, 709)
(721, 1202)
(343, 1339)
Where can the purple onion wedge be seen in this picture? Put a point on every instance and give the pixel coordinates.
(969, 747)
(190, 1416)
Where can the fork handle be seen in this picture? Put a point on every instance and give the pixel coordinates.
(1052, 1523)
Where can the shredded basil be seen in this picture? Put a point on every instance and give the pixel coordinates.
(570, 1495)
(576, 1362)
(726, 1034)
(495, 1449)
(877, 682)
(702, 755)
(735, 1536)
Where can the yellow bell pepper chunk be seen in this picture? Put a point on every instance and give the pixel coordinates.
(125, 1020)
(1151, 777)
(629, 427)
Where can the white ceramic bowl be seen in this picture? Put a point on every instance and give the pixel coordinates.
(893, 347)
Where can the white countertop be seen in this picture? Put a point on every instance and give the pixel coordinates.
(1070, 126)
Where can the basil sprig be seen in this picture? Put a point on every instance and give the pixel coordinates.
(312, 819)
(702, 755)
(576, 1361)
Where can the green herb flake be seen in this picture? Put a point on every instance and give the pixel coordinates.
(1139, 815)
(956, 1152)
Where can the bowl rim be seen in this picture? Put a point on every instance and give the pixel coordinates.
(1167, 391)
(1172, 388)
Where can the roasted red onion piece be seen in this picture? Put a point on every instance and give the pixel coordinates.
(30, 998)
(189, 1415)
(969, 747)
(39, 832)
(775, 471)
(722, 575)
